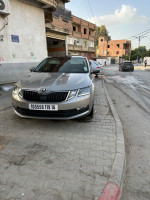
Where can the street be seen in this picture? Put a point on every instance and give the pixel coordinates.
(130, 93)
(51, 160)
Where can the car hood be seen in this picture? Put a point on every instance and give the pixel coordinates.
(55, 81)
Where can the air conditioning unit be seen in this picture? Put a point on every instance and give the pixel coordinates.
(4, 7)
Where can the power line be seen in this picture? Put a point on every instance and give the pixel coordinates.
(87, 8)
(91, 11)
(147, 31)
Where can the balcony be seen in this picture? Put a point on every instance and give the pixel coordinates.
(58, 29)
(76, 34)
(92, 49)
(74, 47)
(49, 4)
(92, 38)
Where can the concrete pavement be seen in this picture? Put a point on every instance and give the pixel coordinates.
(68, 160)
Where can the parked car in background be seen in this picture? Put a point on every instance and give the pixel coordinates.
(96, 67)
(126, 66)
(58, 88)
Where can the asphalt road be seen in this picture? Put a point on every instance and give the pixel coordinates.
(130, 93)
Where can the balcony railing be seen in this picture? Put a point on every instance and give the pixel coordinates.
(76, 34)
(91, 38)
(58, 29)
(92, 49)
(74, 47)
(65, 14)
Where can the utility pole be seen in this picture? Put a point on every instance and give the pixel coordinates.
(139, 38)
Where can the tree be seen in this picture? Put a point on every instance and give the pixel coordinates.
(125, 57)
(101, 31)
(143, 52)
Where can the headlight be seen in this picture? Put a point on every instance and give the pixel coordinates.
(84, 91)
(18, 91)
(72, 94)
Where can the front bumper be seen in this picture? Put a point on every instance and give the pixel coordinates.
(74, 108)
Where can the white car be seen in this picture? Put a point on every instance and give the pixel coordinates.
(96, 67)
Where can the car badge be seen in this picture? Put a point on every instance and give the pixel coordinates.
(43, 90)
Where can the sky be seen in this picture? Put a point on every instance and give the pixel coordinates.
(122, 18)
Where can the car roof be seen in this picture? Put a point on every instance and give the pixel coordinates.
(66, 56)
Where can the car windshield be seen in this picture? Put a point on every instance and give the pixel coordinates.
(63, 65)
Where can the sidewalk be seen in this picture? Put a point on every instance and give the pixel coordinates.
(80, 159)
(141, 67)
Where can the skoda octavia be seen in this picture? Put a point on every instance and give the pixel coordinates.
(58, 88)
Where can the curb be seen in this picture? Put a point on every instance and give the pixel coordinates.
(113, 188)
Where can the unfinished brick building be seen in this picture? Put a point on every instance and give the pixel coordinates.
(81, 42)
(114, 48)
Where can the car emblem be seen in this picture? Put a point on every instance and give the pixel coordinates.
(43, 90)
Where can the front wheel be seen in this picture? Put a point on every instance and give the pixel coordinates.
(92, 112)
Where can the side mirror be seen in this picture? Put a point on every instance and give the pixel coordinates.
(32, 69)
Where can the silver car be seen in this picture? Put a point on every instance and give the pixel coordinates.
(96, 67)
(58, 88)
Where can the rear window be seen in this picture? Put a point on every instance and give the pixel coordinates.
(127, 63)
(63, 65)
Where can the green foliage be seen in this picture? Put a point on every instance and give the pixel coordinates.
(125, 57)
(143, 52)
(101, 31)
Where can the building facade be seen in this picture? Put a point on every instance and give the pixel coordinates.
(113, 48)
(23, 41)
(81, 41)
(58, 29)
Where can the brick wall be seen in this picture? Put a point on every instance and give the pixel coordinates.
(115, 48)
(60, 23)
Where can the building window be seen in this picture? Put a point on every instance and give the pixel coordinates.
(55, 42)
(107, 53)
(117, 52)
(108, 46)
(74, 28)
(101, 40)
(78, 42)
(85, 31)
(85, 44)
(89, 32)
(75, 42)
(118, 45)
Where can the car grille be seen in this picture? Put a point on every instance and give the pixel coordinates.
(51, 97)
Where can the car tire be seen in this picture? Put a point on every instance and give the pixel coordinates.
(132, 70)
(92, 112)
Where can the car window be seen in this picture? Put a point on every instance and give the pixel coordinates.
(96, 63)
(63, 65)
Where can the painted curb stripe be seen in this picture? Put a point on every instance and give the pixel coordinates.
(111, 192)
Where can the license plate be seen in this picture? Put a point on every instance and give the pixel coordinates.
(128, 66)
(48, 107)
